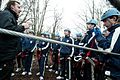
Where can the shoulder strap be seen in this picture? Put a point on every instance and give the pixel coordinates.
(93, 35)
(114, 39)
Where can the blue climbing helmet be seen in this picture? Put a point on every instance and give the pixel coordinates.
(57, 35)
(67, 30)
(92, 21)
(47, 34)
(78, 35)
(31, 31)
(109, 13)
(43, 33)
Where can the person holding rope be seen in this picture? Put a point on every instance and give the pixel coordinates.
(111, 43)
(89, 41)
(9, 45)
(42, 50)
(66, 52)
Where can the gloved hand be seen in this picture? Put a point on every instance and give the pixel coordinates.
(39, 49)
(82, 54)
(97, 31)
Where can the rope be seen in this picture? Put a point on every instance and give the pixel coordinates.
(14, 33)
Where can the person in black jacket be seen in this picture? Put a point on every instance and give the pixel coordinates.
(9, 45)
(42, 49)
(76, 64)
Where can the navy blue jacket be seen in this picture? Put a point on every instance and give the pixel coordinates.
(66, 50)
(44, 46)
(89, 41)
(113, 61)
(55, 47)
(28, 44)
(77, 50)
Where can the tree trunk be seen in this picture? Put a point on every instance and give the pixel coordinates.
(115, 3)
(0, 4)
(40, 26)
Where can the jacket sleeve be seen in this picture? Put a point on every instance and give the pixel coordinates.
(34, 46)
(8, 22)
(103, 42)
(23, 43)
(46, 46)
(72, 48)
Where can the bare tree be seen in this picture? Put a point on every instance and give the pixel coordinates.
(115, 3)
(0, 3)
(40, 26)
(57, 21)
(26, 11)
(34, 14)
(93, 12)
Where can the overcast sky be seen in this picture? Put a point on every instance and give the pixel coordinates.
(70, 9)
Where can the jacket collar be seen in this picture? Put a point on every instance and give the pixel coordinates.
(113, 27)
(14, 14)
(90, 31)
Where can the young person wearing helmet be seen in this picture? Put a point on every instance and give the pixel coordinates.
(112, 42)
(28, 47)
(55, 52)
(65, 53)
(42, 50)
(48, 50)
(89, 41)
(77, 59)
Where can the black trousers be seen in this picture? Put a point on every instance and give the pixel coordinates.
(28, 61)
(19, 59)
(87, 71)
(55, 61)
(6, 68)
(64, 66)
(76, 70)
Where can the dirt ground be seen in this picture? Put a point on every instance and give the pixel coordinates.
(48, 75)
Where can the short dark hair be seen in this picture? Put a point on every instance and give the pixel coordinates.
(113, 16)
(11, 3)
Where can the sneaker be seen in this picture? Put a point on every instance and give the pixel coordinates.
(18, 69)
(56, 72)
(41, 78)
(29, 73)
(46, 66)
(50, 70)
(12, 74)
(24, 73)
(67, 79)
(107, 73)
(59, 77)
(38, 74)
(23, 69)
